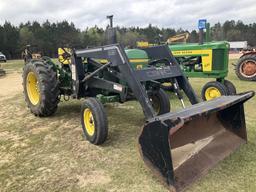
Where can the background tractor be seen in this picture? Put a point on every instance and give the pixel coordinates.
(246, 66)
(182, 37)
(207, 60)
(31, 52)
(202, 60)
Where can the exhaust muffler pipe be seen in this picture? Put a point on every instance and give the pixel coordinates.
(181, 147)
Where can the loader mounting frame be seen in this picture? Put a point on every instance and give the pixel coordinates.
(120, 67)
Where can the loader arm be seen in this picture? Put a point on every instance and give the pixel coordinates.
(162, 51)
(117, 57)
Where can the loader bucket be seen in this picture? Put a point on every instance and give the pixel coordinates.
(181, 147)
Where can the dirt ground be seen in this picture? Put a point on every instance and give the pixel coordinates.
(50, 154)
(10, 85)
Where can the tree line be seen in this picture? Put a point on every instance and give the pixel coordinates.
(47, 37)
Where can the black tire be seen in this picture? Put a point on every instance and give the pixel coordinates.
(160, 102)
(230, 87)
(47, 85)
(99, 121)
(239, 66)
(215, 85)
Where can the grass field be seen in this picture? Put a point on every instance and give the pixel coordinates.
(50, 154)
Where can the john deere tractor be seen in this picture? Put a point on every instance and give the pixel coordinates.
(203, 60)
(207, 60)
(212, 129)
(179, 147)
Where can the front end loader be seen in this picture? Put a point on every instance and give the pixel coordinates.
(179, 147)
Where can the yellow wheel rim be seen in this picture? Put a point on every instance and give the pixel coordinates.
(89, 122)
(211, 93)
(167, 84)
(33, 89)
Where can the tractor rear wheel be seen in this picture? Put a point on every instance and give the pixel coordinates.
(160, 102)
(246, 67)
(94, 121)
(40, 85)
(212, 90)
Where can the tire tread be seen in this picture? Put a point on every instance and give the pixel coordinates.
(100, 118)
(240, 61)
(49, 88)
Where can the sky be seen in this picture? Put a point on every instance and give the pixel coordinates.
(163, 13)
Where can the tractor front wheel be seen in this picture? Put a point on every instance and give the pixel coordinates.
(41, 90)
(160, 102)
(94, 121)
(212, 90)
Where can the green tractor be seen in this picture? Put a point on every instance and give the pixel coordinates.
(172, 144)
(207, 60)
(202, 60)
